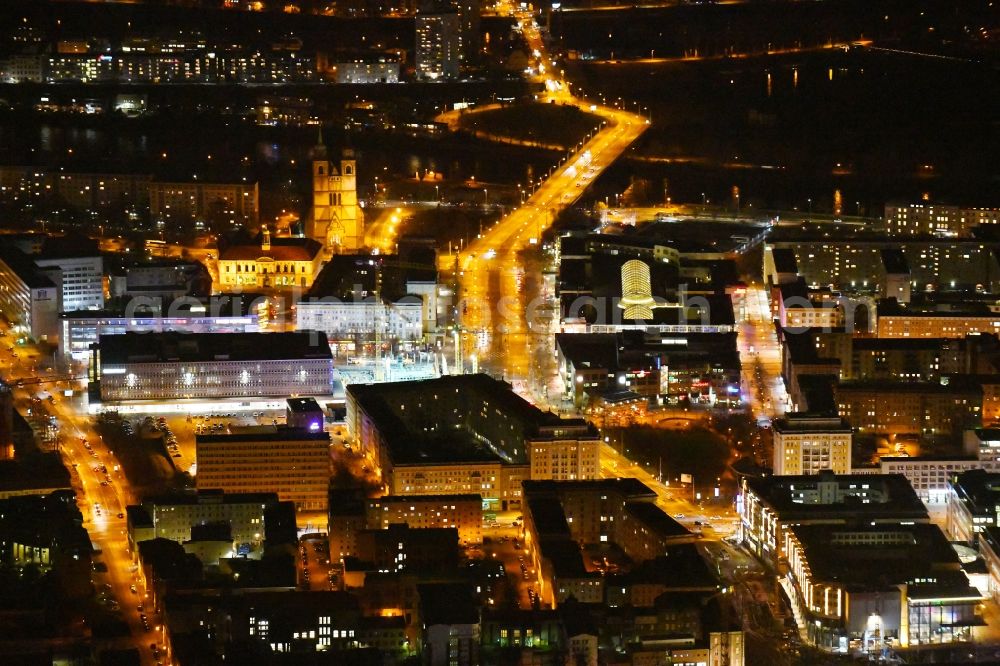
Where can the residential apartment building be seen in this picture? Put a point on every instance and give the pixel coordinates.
(438, 53)
(959, 321)
(875, 264)
(930, 409)
(462, 512)
(937, 219)
(173, 517)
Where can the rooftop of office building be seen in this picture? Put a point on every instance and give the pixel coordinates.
(843, 496)
(176, 347)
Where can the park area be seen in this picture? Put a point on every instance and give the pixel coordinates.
(548, 125)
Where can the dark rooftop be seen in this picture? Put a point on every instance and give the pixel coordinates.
(655, 519)
(303, 405)
(908, 552)
(24, 267)
(784, 260)
(900, 499)
(264, 433)
(627, 487)
(979, 490)
(447, 603)
(175, 347)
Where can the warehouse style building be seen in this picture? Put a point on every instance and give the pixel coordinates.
(171, 366)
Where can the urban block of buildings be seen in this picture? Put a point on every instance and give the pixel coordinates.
(465, 434)
(866, 569)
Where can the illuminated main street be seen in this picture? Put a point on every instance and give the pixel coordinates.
(101, 497)
(495, 315)
(503, 305)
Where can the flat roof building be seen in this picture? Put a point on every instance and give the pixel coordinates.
(769, 505)
(170, 366)
(294, 463)
(809, 443)
(465, 434)
(878, 584)
(560, 516)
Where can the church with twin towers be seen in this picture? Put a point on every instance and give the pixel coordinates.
(336, 220)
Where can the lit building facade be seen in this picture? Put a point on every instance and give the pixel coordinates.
(294, 463)
(869, 263)
(171, 366)
(356, 320)
(270, 263)
(465, 434)
(172, 517)
(439, 46)
(898, 322)
(336, 220)
(928, 409)
(462, 512)
(81, 330)
(873, 586)
(185, 203)
(931, 476)
(769, 506)
(81, 279)
(809, 444)
(937, 219)
(29, 298)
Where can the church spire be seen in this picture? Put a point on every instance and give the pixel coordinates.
(319, 152)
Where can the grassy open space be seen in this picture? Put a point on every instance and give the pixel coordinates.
(535, 122)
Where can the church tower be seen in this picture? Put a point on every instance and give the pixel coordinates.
(336, 219)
